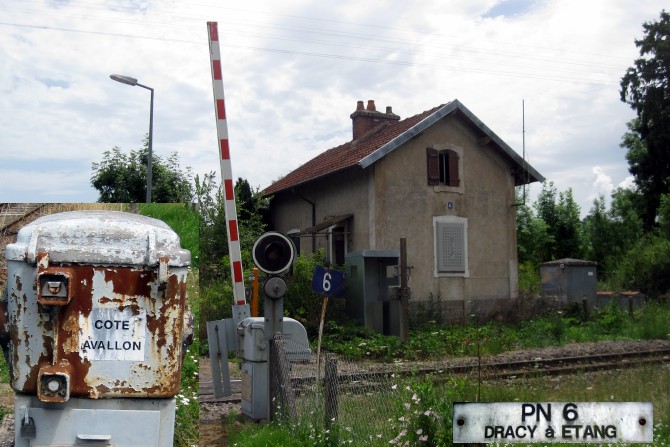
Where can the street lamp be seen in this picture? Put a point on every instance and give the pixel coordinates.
(132, 81)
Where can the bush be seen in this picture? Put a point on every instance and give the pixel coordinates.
(426, 412)
(646, 267)
(302, 303)
(612, 318)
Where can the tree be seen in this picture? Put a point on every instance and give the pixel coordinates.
(598, 232)
(568, 230)
(646, 88)
(531, 236)
(625, 213)
(561, 217)
(122, 178)
(251, 210)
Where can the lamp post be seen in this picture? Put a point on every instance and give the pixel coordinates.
(132, 81)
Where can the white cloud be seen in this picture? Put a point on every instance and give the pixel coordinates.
(602, 184)
(294, 71)
(627, 183)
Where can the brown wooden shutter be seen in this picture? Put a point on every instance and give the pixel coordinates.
(454, 179)
(433, 159)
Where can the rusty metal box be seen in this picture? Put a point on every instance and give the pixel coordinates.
(96, 307)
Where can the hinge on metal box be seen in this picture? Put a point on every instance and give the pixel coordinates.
(54, 284)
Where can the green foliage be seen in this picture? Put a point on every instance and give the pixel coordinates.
(652, 323)
(268, 435)
(183, 220)
(216, 288)
(664, 216)
(563, 223)
(611, 233)
(427, 312)
(556, 327)
(252, 208)
(645, 87)
(426, 412)
(422, 409)
(187, 413)
(122, 178)
(553, 231)
(216, 303)
(302, 303)
(532, 236)
(646, 266)
(612, 319)
(529, 277)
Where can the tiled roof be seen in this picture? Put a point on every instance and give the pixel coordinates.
(347, 154)
(387, 137)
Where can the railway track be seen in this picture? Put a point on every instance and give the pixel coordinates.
(366, 381)
(10, 213)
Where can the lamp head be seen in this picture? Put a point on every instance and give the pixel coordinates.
(124, 79)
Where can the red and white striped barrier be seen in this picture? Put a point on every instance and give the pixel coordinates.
(240, 309)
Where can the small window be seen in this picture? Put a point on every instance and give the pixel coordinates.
(451, 255)
(443, 167)
(337, 248)
(294, 236)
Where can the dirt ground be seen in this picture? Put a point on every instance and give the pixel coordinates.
(215, 416)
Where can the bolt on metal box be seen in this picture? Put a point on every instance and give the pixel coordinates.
(96, 309)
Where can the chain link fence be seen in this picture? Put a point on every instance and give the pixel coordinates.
(332, 399)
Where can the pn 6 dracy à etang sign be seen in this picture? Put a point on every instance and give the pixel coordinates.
(569, 422)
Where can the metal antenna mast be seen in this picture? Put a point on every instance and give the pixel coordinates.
(523, 145)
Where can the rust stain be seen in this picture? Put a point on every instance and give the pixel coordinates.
(42, 260)
(157, 376)
(127, 281)
(70, 339)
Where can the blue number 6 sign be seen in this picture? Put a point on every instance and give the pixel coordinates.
(328, 282)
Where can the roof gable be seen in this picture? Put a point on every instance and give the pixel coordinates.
(386, 138)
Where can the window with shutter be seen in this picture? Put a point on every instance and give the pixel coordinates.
(453, 179)
(443, 167)
(451, 245)
(433, 159)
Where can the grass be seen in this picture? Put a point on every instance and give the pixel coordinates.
(182, 219)
(419, 412)
(557, 328)
(185, 222)
(187, 415)
(645, 384)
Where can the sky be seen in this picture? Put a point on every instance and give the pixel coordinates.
(293, 72)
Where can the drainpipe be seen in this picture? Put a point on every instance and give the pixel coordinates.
(313, 216)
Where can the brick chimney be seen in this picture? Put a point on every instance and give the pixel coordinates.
(366, 119)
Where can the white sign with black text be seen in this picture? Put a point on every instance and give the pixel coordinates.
(113, 334)
(565, 422)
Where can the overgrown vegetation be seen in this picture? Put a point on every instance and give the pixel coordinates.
(188, 414)
(183, 219)
(558, 327)
(185, 222)
(419, 412)
(215, 279)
